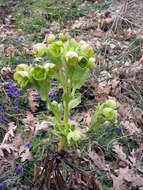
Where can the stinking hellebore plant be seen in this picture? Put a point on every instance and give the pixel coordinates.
(68, 61)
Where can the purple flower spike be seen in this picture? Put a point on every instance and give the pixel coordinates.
(16, 93)
(3, 118)
(0, 108)
(52, 94)
(1, 186)
(37, 95)
(16, 101)
(27, 145)
(15, 109)
(18, 171)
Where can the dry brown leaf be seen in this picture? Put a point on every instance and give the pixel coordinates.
(26, 155)
(106, 22)
(37, 172)
(45, 125)
(6, 147)
(10, 134)
(97, 155)
(131, 127)
(129, 34)
(126, 174)
(32, 101)
(87, 119)
(5, 71)
(29, 124)
(118, 149)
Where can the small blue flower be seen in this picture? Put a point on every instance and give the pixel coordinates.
(37, 95)
(18, 59)
(8, 91)
(119, 131)
(16, 101)
(12, 89)
(26, 61)
(18, 171)
(52, 94)
(15, 109)
(10, 83)
(19, 41)
(1, 186)
(27, 145)
(16, 93)
(3, 118)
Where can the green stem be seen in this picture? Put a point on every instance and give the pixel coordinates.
(66, 102)
(66, 113)
(63, 142)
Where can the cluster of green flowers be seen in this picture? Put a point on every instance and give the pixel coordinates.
(104, 112)
(75, 58)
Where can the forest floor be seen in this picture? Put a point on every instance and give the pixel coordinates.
(114, 152)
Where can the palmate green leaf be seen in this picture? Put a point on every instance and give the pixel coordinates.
(78, 77)
(75, 102)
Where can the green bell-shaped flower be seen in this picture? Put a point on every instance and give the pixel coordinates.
(110, 114)
(50, 69)
(63, 36)
(22, 78)
(51, 38)
(110, 104)
(40, 50)
(56, 48)
(22, 67)
(71, 57)
(91, 62)
(74, 136)
(38, 72)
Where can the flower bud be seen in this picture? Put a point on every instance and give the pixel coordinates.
(38, 73)
(51, 38)
(110, 104)
(74, 135)
(110, 114)
(56, 48)
(71, 57)
(63, 37)
(50, 68)
(40, 50)
(91, 62)
(22, 78)
(82, 61)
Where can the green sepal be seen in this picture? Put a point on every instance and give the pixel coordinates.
(38, 72)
